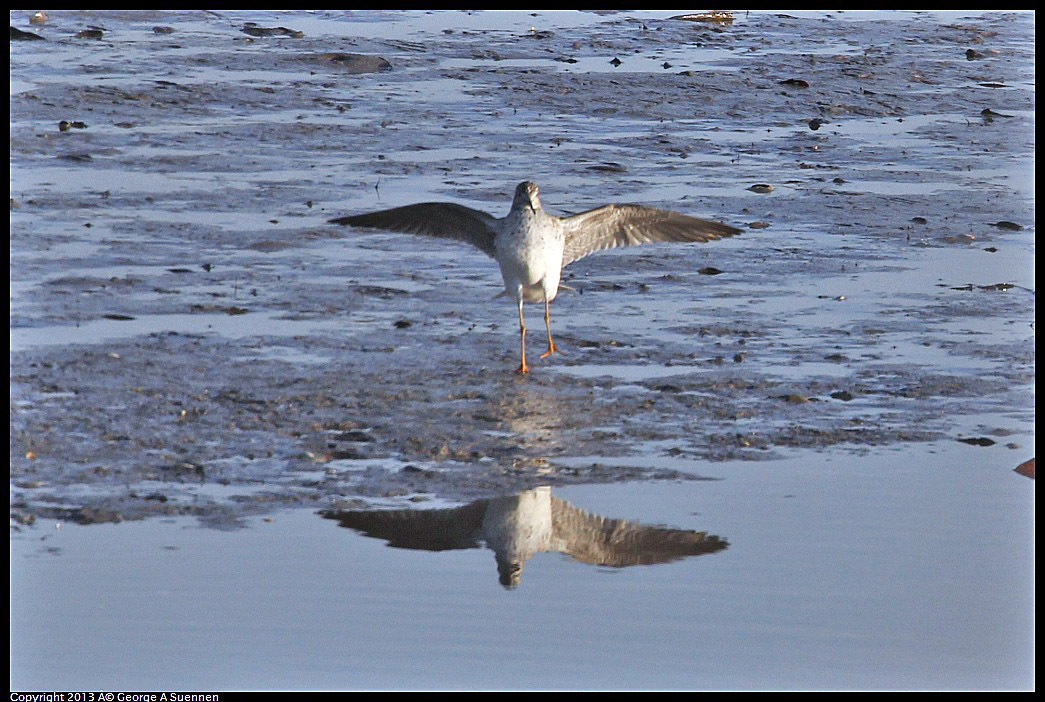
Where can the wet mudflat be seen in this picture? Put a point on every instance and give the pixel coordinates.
(191, 338)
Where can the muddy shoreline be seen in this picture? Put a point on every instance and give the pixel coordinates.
(189, 336)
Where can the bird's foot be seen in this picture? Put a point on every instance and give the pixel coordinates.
(552, 348)
(523, 369)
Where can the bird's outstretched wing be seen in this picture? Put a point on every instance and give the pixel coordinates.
(446, 220)
(590, 538)
(633, 225)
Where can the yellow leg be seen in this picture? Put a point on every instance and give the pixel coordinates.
(548, 326)
(523, 369)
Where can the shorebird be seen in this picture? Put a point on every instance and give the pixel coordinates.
(532, 247)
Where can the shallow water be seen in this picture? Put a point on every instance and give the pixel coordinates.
(839, 573)
(193, 345)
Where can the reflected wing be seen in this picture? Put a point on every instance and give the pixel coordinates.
(440, 219)
(589, 538)
(422, 529)
(633, 225)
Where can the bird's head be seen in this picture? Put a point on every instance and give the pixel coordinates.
(526, 196)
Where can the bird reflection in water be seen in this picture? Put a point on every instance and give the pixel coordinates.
(518, 526)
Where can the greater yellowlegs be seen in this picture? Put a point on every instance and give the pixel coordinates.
(532, 246)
